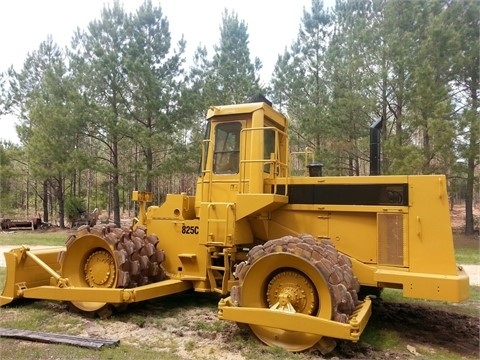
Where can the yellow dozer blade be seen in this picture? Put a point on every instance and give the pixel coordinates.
(27, 269)
(38, 275)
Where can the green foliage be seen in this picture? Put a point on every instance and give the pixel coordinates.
(298, 81)
(73, 208)
(43, 93)
(351, 106)
(406, 159)
(155, 76)
(98, 61)
(230, 77)
(8, 179)
(465, 57)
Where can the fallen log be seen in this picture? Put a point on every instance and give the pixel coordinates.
(53, 338)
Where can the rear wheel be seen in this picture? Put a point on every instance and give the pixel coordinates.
(110, 257)
(296, 275)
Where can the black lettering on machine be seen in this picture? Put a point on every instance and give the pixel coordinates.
(189, 230)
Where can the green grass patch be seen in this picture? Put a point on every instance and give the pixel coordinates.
(47, 238)
(381, 340)
(475, 293)
(467, 248)
(215, 326)
(467, 255)
(17, 349)
(48, 316)
(190, 345)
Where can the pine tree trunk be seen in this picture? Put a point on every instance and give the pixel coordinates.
(469, 225)
(115, 184)
(473, 151)
(61, 203)
(45, 201)
(149, 161)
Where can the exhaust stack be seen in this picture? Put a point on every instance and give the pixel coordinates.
(375, 130)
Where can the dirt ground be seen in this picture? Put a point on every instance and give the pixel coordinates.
(457, 216)
(186, 325)
(431, 328)
(190, 319)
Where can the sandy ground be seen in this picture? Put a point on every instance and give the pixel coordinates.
(473, 271)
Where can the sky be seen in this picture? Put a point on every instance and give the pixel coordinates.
(24, 24)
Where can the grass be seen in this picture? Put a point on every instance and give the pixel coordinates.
(47, 238)
(34, 317)
(467, 248)
(16, 349)
(380, 340)
(467, 255)
(216, 326)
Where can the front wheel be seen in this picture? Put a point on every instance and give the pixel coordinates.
(110, 257)
(296, 275)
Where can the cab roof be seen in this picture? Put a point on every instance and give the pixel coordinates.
(248, 108)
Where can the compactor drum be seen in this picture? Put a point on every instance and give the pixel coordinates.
(110, 257)
(296, 275)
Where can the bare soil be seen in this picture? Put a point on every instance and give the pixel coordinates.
(423, 328)
(186, 325)
(457, 216)
(429, 327)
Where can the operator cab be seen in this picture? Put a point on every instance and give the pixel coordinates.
(245, 145)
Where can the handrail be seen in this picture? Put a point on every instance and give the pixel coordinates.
(308, 152)
(229, 205)
(210, 220)
(277, 167)
(205, 171)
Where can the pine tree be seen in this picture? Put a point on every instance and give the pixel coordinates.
(43, 94)
(350, 80)
(465, 19)
(230, 77)
(298, 84)
(99, 61)
(155, 77)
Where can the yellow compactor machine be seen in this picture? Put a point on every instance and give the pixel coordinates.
(290, 254)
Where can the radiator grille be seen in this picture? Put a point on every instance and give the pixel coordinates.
(390, 239)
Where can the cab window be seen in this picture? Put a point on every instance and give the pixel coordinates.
(226, 156)
(268, 146)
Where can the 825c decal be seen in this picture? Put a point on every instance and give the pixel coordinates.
(190, 230)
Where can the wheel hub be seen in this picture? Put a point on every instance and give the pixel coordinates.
(291, 291)
(100, 269)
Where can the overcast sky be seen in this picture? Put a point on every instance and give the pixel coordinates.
(24, 24)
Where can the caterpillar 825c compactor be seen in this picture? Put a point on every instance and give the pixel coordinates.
(290, 254)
